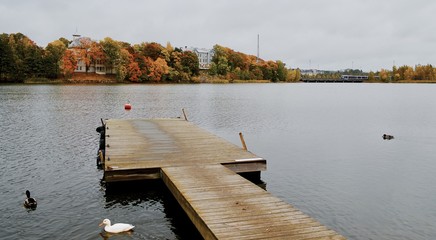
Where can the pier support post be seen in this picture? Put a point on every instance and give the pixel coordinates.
(244, 146)
(184, 114)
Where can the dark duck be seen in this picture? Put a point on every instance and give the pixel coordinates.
(30, 202)
(387, 137)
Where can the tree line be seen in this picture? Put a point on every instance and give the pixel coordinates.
(231, 65)
(407, 73)
(21, 59)
(404, 73)
(397, 74)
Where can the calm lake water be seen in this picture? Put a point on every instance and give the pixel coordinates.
(323, 143)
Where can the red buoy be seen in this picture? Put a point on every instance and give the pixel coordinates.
(127, 106)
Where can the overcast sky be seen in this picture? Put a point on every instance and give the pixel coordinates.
(330, 35)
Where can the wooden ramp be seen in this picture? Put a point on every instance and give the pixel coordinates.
(223, 205)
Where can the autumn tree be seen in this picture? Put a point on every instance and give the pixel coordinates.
(409, 73)
(282, 73)
(27, 57)
(175, 60)
(190, 63)
(83, 52)
(133, 70)
(237, 60)
(166, 52)
(21, 58)
(68, 63)
(256, 71)
(175, 72)
(122, 64)
(152, 50)
(158, 69)
(395, 74)
(371, 76)
(111, 50)
(6, 58)
(127, 68)
(222, 66)
(220, 52)
(54, 52)
(169, 47)
(96, 54)
(65, 41)
(293, 75)
(384, 75)
(424, 72)
(231, 64)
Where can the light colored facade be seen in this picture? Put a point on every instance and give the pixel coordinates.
(204, 56)
(97, 67)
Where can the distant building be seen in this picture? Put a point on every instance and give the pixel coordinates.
(314, 72)
(204, 56)
(354, 77)
(96, 67)
(310, 72)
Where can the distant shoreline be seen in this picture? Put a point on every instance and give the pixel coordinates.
(111, 79)
(92, 78)
(60, 81)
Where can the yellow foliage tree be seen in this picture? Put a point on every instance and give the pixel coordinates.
(157, 69)
(384, 75)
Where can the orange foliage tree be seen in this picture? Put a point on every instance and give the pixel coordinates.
(134, 72)
(140, 63)
(96, 54)
(68, 63)
(157, 69)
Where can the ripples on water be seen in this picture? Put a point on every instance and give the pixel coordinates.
(322, 142)
(49, 146)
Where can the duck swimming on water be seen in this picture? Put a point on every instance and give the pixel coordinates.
(29, 202)
(117, 227)
(387, 137)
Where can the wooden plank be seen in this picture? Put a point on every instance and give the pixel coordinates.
(199, 169)
(141, 144)
(223, 205)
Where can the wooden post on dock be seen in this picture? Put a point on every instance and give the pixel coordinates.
(184, 114)
(244, 146)
(100, 158)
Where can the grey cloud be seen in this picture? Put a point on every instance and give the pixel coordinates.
(336, 34)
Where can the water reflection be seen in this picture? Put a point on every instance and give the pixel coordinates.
(134, 193)
(322, 141)
(125, 235)
(150, 195)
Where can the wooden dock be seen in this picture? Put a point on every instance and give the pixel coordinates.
(223, 205)
(201, 170)
(136, 149)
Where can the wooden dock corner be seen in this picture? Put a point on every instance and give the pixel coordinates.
(202, 172)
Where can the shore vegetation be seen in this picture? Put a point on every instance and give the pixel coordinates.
(21, 60)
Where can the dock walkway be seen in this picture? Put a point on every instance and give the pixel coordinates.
(223, 205)
(136, 149)
(201, 170)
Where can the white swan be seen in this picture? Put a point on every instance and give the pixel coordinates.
(117, 227)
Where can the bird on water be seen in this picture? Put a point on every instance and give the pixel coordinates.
(117, 227)
(387, 137)
(30, 202)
